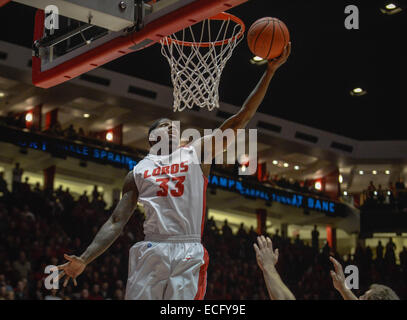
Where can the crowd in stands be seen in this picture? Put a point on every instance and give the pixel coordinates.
(68, 133)
(233, 273)
(393, 197)
(95, 138)
(38, 226)
(275, 181)
(295, 185)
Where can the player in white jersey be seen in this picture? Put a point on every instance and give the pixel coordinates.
(171, 262)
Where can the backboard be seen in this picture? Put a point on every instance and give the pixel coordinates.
(94, 32)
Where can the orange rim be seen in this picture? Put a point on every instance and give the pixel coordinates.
(220, 16)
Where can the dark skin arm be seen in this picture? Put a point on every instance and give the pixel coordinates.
(246, 113)
(107, 234)
(267, 259)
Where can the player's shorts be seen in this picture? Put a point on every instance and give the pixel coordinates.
(167, 268)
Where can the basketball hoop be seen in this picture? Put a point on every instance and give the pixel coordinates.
(197, 56)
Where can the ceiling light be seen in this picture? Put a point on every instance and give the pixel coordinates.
(390, 9)
(374, 172)
(275, 162)
(286, 165)
(2, 94)
(296, 168)
(340, 178)
(109, 136)
(387, 172)
(361, 172)
(86, 115)
(358, 92)
(258, 61)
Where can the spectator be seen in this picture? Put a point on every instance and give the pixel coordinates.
(26, 213)
(370, 190)
(95, 193)
(380, 194)
(84, 294)
(22, 266)
(241, 232)
(3, 184)
(392, 190)
(315, 238)
(95, 295)
(403, 257)
(3, 293)
(226, 230)
(21, 290)
(105, 290)
(59, 192)
(84, 197)
(297, 241)
(118, 294)
(56, 129)
(17, 175)
(390, 255)
(25, 187)
(379, 251)
(70, 133)
(400, 184)
(37, 188)
(81, 133)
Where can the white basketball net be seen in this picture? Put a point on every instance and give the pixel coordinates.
(196, 69)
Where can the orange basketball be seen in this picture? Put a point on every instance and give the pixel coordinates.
(267, 37)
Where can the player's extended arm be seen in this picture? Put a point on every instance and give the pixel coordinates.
(338, 279)
(109, 232)
(267, 259)
(252, 103)
(250, 106)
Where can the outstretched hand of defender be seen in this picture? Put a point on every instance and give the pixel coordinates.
(72, 269)
(338, 277)
(276, 63)
(265, 255)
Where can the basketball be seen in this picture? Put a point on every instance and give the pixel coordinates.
(267, 37)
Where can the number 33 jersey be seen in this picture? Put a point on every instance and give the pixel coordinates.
(172, 189)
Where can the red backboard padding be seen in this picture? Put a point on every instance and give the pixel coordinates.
(3, 2)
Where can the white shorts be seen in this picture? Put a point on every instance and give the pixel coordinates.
(167, 271)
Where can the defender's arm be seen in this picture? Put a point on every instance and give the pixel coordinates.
(267, 259)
